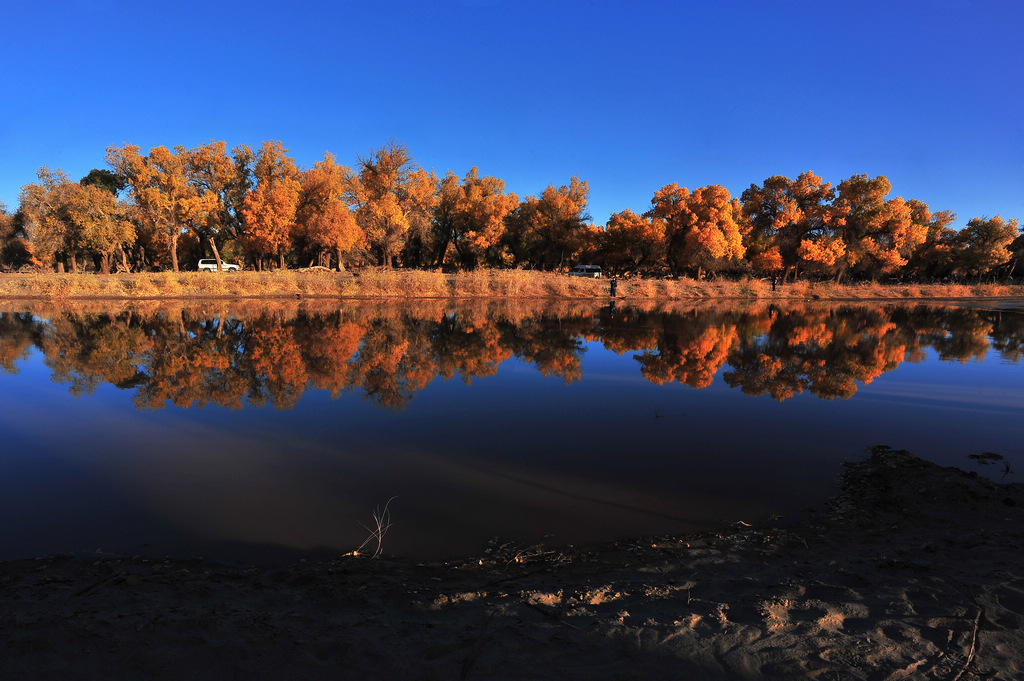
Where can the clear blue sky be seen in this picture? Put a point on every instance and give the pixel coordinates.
(629, 96)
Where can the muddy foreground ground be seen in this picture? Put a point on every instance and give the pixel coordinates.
(913, 572)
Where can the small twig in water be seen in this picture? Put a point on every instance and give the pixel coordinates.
(382, 523)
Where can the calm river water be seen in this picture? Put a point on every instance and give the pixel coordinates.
(264, 432)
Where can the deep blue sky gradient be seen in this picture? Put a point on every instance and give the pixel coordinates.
(627, 95)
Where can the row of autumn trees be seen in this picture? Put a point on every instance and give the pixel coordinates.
(386, 357)
(158, 209)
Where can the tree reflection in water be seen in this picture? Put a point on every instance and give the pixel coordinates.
(262, 356)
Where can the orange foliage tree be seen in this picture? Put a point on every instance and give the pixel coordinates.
(102, 223)
(224, 180)
(811, 232)
(323, 216)
(18, 333)
(769, 209)
(379, 369)
(15, 249)
(328, 344)
(65, 217)
(393, 196)
(703, 229)
(470, 217)
(551, 229)
(790, 224)
(879, 235)
(669, 207)
(633, 242)
(468, 348)
(823, 255)
(554, 352)
(817, 350)
(269, 208)
(46, 207)
(84, 351)
(690, 349)
(395, 211)
(985, 244)
(277, 361)
(185, 366)
(937, 255)
(161, 188)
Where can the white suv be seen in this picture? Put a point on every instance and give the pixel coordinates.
(210, 265)
(589, 271)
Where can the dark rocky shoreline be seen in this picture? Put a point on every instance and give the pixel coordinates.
(913, 571)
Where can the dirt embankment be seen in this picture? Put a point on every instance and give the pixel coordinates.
(391, 284)
(914, 572)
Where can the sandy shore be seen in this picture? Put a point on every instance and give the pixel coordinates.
(913, 572)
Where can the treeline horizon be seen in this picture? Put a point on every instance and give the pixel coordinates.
(155, 211)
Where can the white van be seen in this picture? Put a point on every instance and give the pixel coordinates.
(210, 265)
(588, 271)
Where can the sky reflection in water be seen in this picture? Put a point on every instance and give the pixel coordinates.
(530, 422)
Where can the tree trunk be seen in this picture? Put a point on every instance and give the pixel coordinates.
(216, 253)
(280, 259)
(105, 262)
(74, 264)
(139, 258)
(442, 250)
(463, 255)
(174, 252)
(341, 265)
